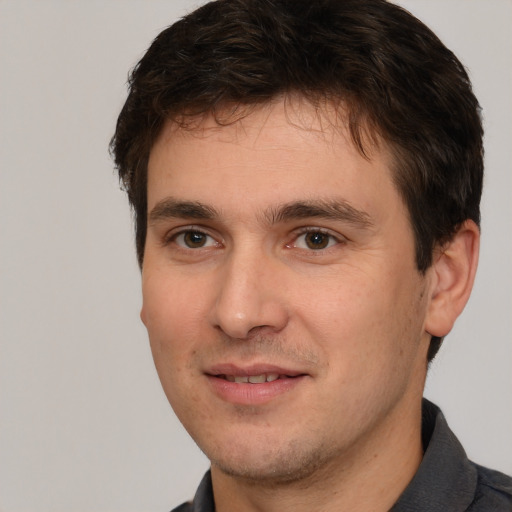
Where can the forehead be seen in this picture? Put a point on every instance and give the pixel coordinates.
(312, 118)
(285, 148)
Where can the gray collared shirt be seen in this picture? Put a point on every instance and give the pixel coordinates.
(446, 481)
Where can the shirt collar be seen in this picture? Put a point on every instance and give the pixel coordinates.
(446, 479)
(203, 499)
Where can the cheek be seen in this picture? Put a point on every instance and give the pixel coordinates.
(363, 324)
(170, 303)
(171, 319)
(346, 308)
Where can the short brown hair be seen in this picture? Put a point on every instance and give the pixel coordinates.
(392, 74)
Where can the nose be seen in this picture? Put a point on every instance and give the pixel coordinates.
(249, 298)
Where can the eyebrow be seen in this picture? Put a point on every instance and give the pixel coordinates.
(170, 208)
(339, 210)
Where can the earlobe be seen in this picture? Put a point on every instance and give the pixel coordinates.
(143, 315)
(453, 274)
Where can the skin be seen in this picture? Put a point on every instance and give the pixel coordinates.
(300, 257)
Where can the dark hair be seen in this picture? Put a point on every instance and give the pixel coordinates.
(395, 79)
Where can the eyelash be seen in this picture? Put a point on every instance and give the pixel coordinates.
(173, 237)
(313, 230)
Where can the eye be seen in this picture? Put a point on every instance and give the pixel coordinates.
(192, 239)
(315, 240)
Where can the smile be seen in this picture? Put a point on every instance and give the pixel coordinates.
(253, 386)
(252, 379)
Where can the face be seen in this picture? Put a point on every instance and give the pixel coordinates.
(284, 309)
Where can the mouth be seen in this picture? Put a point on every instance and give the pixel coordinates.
(255, 379)
(257, 384)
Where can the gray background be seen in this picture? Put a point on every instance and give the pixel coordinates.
(84, 425)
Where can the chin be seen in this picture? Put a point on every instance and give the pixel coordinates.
(282, 466)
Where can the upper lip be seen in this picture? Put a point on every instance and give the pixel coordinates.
(253, 369)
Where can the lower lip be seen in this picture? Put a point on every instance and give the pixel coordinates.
(252, 394)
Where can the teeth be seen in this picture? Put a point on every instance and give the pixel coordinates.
(253, 379)
(257, 379)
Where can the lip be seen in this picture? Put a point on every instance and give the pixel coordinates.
(253, 369)
(249, 393)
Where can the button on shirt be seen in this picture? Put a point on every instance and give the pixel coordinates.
(446, 481)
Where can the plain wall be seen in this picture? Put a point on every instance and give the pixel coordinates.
(84, 425)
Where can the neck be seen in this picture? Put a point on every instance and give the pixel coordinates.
(370, 477)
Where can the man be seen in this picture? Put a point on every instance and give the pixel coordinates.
(306, 179)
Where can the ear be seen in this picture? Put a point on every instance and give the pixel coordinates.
(453, 274)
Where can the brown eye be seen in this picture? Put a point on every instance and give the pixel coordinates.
(194, 240)
(317, 240)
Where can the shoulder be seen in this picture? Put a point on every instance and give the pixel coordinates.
(493, 492)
